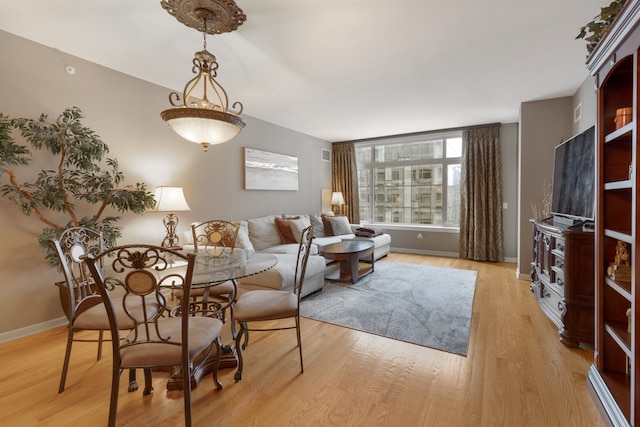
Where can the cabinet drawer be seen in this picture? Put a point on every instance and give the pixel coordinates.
(552, 304)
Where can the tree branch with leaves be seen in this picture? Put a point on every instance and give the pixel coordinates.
(80, 177)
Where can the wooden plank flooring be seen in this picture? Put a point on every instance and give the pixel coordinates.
(517, 373)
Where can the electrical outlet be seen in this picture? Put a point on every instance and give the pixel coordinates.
(419, 236)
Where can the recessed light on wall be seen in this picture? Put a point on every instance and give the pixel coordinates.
(71, 70)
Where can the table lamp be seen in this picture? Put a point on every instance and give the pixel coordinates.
(170, 199)
(337, 200)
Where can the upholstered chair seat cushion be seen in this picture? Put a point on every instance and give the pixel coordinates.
(95, 318)
(202, 330)
(265, 305)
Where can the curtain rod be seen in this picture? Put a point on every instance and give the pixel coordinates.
(429, 132)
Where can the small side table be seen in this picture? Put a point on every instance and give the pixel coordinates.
(349, 254)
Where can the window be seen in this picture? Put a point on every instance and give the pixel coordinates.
(411, 180)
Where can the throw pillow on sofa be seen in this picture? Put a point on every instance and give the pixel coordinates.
(284, 228)
(264, 232)
(296, 224)
(336, 225)
(242, 240)
(318, 226)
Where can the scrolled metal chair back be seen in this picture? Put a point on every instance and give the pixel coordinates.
(143, 273)
(72, 245)
(304, 250)
(216, 236)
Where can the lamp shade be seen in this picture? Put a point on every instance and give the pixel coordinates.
(170, 199)
(336, 198)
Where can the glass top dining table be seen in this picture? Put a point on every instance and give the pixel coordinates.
(212, 269)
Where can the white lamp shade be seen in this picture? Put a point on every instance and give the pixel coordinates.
(336, 198)
(170, 199)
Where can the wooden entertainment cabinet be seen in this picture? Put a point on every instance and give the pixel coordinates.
(562, 277)
(614, 378)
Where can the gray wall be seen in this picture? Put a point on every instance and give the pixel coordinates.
(125, 112)
(543, 125)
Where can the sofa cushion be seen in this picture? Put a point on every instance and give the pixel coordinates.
(263, 232)
(282, 275)
(324, 241)
(289, 248)
(284, 228)
(298, 226)
(318, 226)
(338, 225)
(243, 241)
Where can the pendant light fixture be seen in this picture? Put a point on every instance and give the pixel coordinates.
(202, 114)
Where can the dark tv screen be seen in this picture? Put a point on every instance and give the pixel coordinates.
(573, 190)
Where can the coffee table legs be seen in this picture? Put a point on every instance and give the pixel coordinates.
(349, 268)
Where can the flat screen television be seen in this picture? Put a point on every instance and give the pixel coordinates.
(573, 189)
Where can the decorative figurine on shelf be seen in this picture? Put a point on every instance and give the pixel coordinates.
(620, 270)
(622, 253)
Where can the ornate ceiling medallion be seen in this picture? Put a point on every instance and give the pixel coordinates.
(222, 16)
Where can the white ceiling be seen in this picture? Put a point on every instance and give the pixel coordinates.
(340, 69)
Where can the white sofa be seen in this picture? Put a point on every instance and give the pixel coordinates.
(264, 234)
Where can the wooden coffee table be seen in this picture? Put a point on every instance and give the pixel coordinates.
(349, 253)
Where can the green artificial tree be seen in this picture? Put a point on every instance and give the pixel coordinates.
(79, 180)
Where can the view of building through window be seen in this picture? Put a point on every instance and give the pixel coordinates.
(413, 181)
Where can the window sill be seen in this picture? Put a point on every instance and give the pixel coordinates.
(414, 227)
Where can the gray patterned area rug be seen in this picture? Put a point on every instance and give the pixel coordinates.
(424, 305)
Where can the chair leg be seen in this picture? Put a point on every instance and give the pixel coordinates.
(245, 343)
(233, 321)
(217, 365)
(115, 386)
(133, 384)
(241, 333)
(148, 386)
(299, 343)
(100, 335)
(186, 392)
(65, 364)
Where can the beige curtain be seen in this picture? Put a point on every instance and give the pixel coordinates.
(344, 177)
(481, 234)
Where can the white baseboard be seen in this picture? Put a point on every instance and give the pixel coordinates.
(438, 253)
(32, 329)
(423, 252)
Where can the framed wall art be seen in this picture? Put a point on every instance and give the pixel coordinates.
(264, 170)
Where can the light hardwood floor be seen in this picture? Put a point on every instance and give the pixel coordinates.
(517, 373)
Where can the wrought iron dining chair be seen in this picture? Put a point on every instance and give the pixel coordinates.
(184, 339)
(81, 302)
(218, 237)
(258, 306)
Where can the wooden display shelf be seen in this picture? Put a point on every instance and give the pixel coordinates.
(618, 332)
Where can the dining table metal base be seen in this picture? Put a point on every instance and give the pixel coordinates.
(205, 367)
